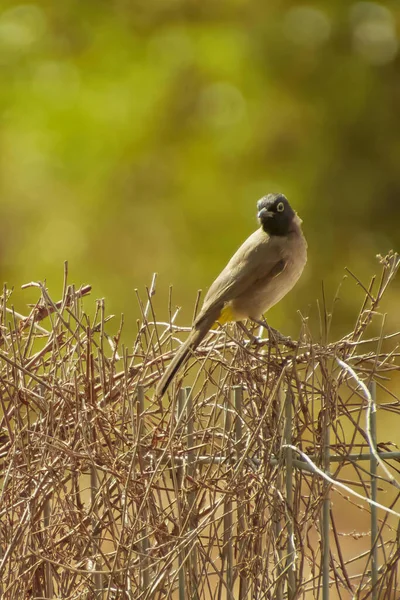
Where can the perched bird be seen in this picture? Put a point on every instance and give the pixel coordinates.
(259, 274)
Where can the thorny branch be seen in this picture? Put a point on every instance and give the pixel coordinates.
(103, 487)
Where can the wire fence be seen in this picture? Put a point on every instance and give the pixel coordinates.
(239, 486)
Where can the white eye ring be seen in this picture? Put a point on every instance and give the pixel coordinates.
(280, 207)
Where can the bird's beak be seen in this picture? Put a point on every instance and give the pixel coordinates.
(264, 213)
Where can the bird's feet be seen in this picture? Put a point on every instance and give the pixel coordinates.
(276, 337)
(254, 340)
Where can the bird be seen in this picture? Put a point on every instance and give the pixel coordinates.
(260, 273)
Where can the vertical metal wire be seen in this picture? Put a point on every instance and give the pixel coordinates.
(277, 521)
(144, 543)
(325, 518)
(241, 524)
(291, 549)
(191, 472)
(374, 493)
(94, 490)
(97, 578)
(49, 587)
(48, 569)
(227, 549)
(179, 472)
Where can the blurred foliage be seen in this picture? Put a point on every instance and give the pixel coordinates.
(136, 136)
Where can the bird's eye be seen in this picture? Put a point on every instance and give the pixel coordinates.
(280, 207)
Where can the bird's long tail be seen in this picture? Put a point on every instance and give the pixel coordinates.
(199, 331)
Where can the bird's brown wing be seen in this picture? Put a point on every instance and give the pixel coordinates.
(260, 258)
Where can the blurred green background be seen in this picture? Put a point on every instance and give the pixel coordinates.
(136, 136)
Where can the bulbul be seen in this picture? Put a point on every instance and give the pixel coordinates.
(259, 274)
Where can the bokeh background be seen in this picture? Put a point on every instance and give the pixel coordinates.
(136, 137)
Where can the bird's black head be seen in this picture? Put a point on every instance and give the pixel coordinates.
(275, 214)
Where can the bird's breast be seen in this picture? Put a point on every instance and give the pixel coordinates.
(267, 291)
